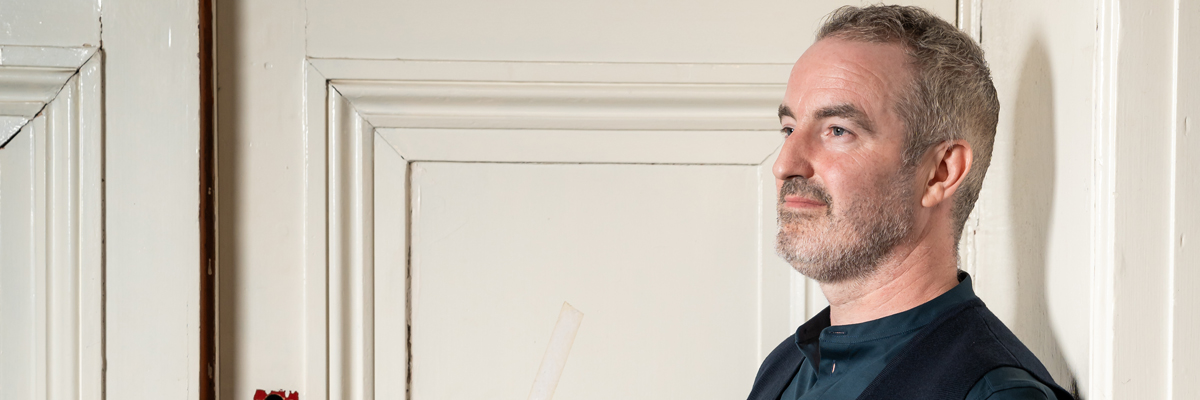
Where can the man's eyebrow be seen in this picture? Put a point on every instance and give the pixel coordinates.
(847, 111)
(784, 111)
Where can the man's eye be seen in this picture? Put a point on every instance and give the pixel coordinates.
(786, 131)
(839, 131)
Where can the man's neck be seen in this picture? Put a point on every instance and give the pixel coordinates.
(912, 275)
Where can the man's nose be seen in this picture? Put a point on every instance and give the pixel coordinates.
(794, 159)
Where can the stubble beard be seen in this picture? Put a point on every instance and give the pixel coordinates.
(851, 243)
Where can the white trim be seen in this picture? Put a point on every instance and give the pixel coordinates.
(564, 105)
(970, 18)
(515, 71)
(44, 57)
(351, 252)
(62, 244)
(1172, 215)
(30, 77)
(316, 344)
(91, 228)
(1104, 87)
(74, 194)
(391, 271)
(67, 284)
(1185, 302)
(40, 281)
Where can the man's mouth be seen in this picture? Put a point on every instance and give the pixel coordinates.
(802, 203)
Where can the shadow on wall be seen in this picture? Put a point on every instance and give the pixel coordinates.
(1032, 199)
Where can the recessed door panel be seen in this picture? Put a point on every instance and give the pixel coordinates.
(661, 259)
(20, 271)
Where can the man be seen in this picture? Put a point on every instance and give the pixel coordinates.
(889, 120)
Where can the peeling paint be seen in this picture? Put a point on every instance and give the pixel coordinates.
(283, 394)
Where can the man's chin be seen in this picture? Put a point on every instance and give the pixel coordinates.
(801, 259)
(822, 265)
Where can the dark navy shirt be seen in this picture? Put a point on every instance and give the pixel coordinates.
(840, 361)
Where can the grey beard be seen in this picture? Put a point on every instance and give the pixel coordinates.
(854, 242)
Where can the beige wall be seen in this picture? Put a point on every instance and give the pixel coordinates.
(1030, 239)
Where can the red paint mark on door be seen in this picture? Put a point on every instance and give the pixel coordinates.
(285, 395)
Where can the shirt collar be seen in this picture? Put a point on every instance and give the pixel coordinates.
(895, 324)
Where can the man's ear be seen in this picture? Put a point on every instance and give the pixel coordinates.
(949, 161)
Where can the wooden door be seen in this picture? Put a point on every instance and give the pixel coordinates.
(51, 294)
(99, 267)
(404, 214)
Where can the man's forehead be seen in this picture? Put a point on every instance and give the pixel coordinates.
(853, 56)
(836, 71)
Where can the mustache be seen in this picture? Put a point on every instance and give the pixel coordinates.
(799, 186)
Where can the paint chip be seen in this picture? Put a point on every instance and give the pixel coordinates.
(276, 395)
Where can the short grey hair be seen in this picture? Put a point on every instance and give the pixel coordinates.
(951, 97)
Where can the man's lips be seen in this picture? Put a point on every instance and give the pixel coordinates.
(801, 202)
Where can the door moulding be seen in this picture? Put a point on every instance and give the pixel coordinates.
(66, 293)
(363, 115)
(30, 77)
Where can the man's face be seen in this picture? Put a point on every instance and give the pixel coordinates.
(845, 196)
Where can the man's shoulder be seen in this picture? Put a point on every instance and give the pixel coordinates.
(1024, 376)
(954, 352)
(1009, 383)
(1008, 340)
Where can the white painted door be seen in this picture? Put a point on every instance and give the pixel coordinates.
(98, 199)
(448, 174)
(619, 198)
(51, 301)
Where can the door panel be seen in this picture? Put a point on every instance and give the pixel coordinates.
(659, 258)
(689, 212)
(22, 272)
(51, 301)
